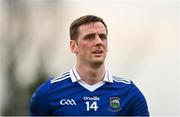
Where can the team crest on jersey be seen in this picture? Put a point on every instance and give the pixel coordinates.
(114, 104)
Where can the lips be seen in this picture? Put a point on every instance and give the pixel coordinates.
(97, 52)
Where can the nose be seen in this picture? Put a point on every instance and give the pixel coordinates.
(98, 41)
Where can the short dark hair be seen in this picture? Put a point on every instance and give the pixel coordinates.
(87, 19)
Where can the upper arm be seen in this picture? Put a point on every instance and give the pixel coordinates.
(140, 107)
(39, 101)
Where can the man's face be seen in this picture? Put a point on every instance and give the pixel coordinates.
(91, 45)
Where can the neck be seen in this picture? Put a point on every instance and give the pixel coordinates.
(91, 75)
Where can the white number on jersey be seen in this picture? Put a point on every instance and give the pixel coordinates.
(92, 106)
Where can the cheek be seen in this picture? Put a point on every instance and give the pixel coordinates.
(85, 46)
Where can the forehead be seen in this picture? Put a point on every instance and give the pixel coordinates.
(96, 27)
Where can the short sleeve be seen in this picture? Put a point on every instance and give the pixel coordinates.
(140, 107)
(39, 101)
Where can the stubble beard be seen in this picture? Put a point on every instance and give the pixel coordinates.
(97, 63)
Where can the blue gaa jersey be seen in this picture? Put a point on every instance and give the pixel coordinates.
(68, 95)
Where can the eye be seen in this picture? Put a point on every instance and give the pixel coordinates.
(103, 36)
(89, 37)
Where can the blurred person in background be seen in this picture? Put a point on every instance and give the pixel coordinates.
(88, 89)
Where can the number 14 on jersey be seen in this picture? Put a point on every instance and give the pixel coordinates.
(91, 106)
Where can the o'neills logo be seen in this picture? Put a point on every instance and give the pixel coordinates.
(94, 98)
(67, 102)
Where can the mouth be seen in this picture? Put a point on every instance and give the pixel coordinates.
(98, 52)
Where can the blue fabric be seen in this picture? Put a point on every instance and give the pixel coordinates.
(67, 98)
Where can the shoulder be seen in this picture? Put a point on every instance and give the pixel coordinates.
(42, 91)
(39, 103)
(125, 83)
(129, 86)
(60, 78)
(121, 80)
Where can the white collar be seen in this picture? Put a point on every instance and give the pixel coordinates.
(75, 76)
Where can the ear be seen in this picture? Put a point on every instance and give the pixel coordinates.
(74, 47)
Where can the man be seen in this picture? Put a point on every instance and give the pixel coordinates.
(88, 89)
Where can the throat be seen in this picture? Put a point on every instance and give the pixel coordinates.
(91, 76)
(93, 79)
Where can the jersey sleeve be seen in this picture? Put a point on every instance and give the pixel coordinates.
(139, 106)
(39, 101)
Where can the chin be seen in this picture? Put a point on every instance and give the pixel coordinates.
(98, 62)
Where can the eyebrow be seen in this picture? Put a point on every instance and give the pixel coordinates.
(92, 34)
(95, 34)
(89, 34)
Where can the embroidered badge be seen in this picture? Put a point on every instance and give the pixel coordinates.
(114, 104)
